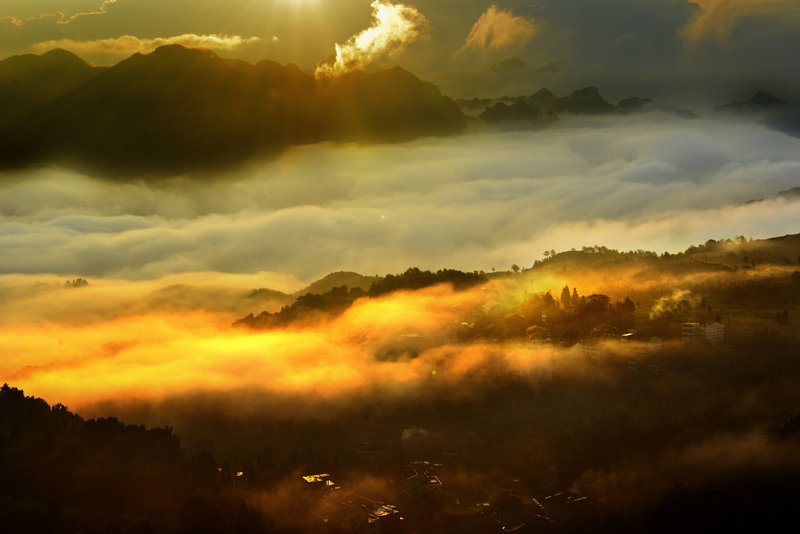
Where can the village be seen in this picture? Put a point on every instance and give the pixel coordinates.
(510, 476)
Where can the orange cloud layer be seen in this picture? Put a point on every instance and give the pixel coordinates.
(132, 341)
(158, 354)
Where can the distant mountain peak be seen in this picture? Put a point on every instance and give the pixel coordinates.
(759, 101)
(511, 65)
(587, 92)
(60, 53)
(763, 98)
(585, 101)
(544, 92)
(180, 51)
(55, 58)
(180, 108)
(544, 99)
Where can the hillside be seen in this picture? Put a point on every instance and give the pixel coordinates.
(340, 278)
(177, 109)
(29, 82)
(749, 283)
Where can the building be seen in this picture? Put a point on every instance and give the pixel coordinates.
(690, 330)
(420, 484)
(628, 337)
(713, 333)
(361, 514)
(319, 481)
(538, 334)
(493, 308)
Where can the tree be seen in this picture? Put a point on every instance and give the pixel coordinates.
(597, 302)
(515, 268)
(627, 307)
(566, 300)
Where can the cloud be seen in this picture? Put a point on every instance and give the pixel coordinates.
(718, 18)
(499, 28)
(393, 28)
(128, 44)
(12, 20)
(102, 10)
(649, 182)
(60, 17)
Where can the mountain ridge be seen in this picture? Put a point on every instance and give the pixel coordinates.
(179, 109)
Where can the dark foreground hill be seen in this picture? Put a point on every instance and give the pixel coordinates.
(180, 109)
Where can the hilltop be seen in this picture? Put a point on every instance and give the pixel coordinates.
(749, 283)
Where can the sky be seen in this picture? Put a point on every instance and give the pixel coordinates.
(628, 44)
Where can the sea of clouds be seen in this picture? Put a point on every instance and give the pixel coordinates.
(473, 202)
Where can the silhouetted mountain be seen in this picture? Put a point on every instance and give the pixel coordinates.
(473, 105)
(760, 101)
(586, 101)
(29, 81)
(545, 100)
(764, 99)
(392, 104)
(264, 293)
(518, 111)
(180, 108)
(340, 278)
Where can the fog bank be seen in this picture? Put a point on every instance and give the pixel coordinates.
(469, 202)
